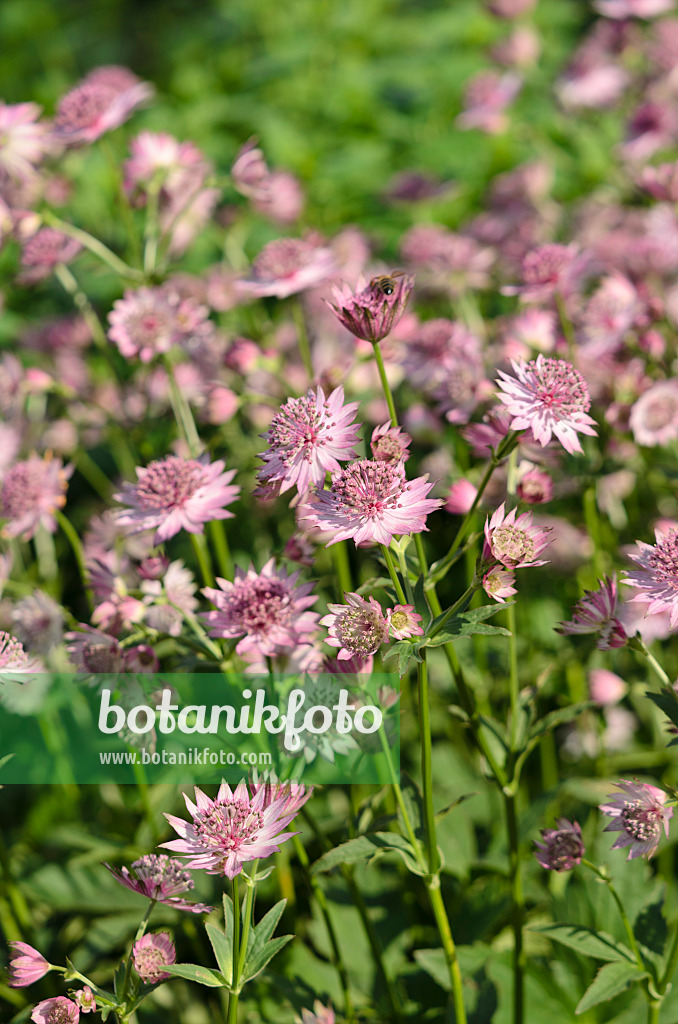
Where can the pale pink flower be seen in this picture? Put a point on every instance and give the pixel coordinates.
(32, 491)
(595, 86)
(150, 321)
(498, 583)
(27, 965)
(521, 49)
(162, 879)
(390, 444)
(43, 251)
(268, 609)
(535, 487)
(657, 579)
(187, 212)
(101, 102)
(320, 1015)
(549, 270)
(535, 328)
(562, 848)
(597, 612)
(549, 397)
(287, 266)
(57, 1010)
(284, 199)
(150, 954)
(605, 687)
(654, 416)
(638, 812)
(306, 439)
(250, 174)
(611, 311)
(460, 497)
(375, 307)
(404, 622)
(85, 1000)
(158, 156)
(23, 140)
(661, 182)
(447, 261)
(510, 8)
(371, 502)
(653, 126)
(232, 829)
(168, 596)
(37, 621)
(621, 9)
(92, 650)
(357, 628)
(486, 98)
(513, 540)
(174, 494)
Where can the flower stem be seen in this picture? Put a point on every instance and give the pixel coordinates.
(233, 999)
(302, 336)
(94, 245)
(182, 411)
(217, 533)
(514, 693)
(343, 567)
(78, 550)
(390, 565)
(622, 913)
(517, 909)
(83, 305)
(637, 644)
(200, 549)
(670, 968)
(425, 737)
(385, 384)
(249, 908)
(449, 948)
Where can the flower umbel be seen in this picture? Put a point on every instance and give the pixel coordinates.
(150, 954)
(513, 540)
(373, 310)
(638, 812)
(562, 848)
(57, 1010)
(162, 879)
(404, 622)
(32, 491)
(27, 965)
(657, 579)
(596, 612)
(357, 628)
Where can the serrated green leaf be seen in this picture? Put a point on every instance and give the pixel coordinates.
(598, 945)
(263, 931)
(365, 847)
(667, 701)
(405, 651)
(222, 946)
(559, 717)
(650, 927)
(259, 957)
(457, 628)
(200, 975)
(421, 605)
(610, 980)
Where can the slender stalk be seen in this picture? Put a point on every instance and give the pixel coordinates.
(622, 913)
(638, 645)
(123, 201)
(670, 968)
(390, 565)
(653, 1013)
(426, 770)
(385, 384)
(566, 325)
(200, 549)
(182, 411)
(217, 534)
(517, 910)
(343, 567)
(302, 336)
(513, 675)
(449, 948)
(78, 550)
(249, 908)
(405, 575)
(151, 226)
(83, 305)
(94, 245)
(233, 999)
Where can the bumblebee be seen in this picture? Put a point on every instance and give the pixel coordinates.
(386, 283)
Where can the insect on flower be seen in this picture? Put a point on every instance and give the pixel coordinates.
(386, 283)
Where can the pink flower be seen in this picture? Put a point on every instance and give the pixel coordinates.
(85, 1000)
(23, 140)
(320, 1015)
(562, 848)
(404, 622)
(268, 609)
(92, 650)
(653, 126)
(162, 879)
(657, 579)
(174, 494)
(151, 321)
(231, 830)
(159, 156)
(498, 583)
(605, 687)
(596, 612)
(27, 965)
(460, 497)
(548, 270)
(535, 328)
(661, 182)
(284, 198)
(639, 815)
(250, 174)
(486, 98)
(57, 1010)
(515, 542)
(621, 9)
(611, 311)
(390, 444)
(101, 102)
(150, 954)
(550, 398)
(306, 439)
(32, 491)
(535, 487)
(357, 628)
(373, 309)
(43, 251)
(654, 417)
(287, 266)
(372, 502)
(510, 8)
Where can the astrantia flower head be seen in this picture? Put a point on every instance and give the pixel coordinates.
(26, 965)
(57, 1010)
(654, 417)
(404, 622)
(596, 612)
(151, 954)
(306, 439)
(13, 657)
(41, 253)
(268, 609)
(372, 502)
(549, 270)
(373, 309)
(657, 579)
(486, 97)
(622, 9)
(513, 540)
(23, 140)
(101, 102)
(92, 650)
(357, 628)
(162, 879)
(562, 848)
(176, 494)
(549, 397)
(287, 266)
(150, 321)
(661, 181)
(249, 173)
(31, 493)
(320, 1015)
(230, 830)
(638, 813)
(86, 1000)
(390, 444)
(498, 583)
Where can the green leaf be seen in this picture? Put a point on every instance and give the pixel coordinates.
(405, 651)
(667, 701)
(650, 928)
(364, 848)
(559, 717)
(457, 628)
(434, 963)
(420, 603)
(261, 947)
(598, 945)
(222, 945)
(610, 980)
(201, 975)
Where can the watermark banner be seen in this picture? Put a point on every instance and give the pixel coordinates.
(198, 728)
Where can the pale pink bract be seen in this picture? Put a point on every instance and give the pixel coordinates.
(151, 954)
(27, 965)
(638, 813)
(357, 628)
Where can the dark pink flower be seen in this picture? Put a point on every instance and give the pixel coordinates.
(287, 266)
(535, 487)
(657, 579)
(357, 628)
(27, 965)
(606, 688)
(653, 126)
(513, 540)
(57, 1010)
(162, 879)
(638, 812)
(373, 309)
(101, 102)
(151, 954)
(32, 491)
(596, 612)
(43, 251)
(562, 848)
(549, 270)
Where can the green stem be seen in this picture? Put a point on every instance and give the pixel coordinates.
(405, 574)
(468, 518)
(426, 770)
(517, 910)
(83, 305)
(302, 336)
(217, 533)
(449, 948)
(233, 999)
(402, 807)
(94, 245)
(182, 411)
(638, 645)
(390, 565)
(670, 968)
(566, 325)
(622, 913)
(343, 567)
(385, 384)
(513, 675)
(123, 200)
(249, 908)
(78, 550)
(151, 226)
(200, 548)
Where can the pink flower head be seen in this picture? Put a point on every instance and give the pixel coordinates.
(514, 540)
(162, 879)
(460, 497)
(159, 156)
(85, 1000)
(176, 494)
(306, 439)
(549, 270)
(43, 251)
(357, 628)
(232, 829)
(372, 502)
(661, 182)
(535, 487)
(151, 321)
(606, 688)
(622, 9)
(320, 1015)
(290, 796)
(101, 102)
(657, 579)
(151, 954)
(653, 126)
(637, 812)
(23, 140)
(611, 311)
(268, 609)
(92, 650)
(654, 417)
(390, 444)
(404, 622)
(486, 98)
(510, 8)
(287, 266)
(373, 309)
(57, 1010)
(249, 173)
(27, 965)
(284, 198)
(562, 848)
(549, 397)
(498, 583)
(31, 493)
(596, 612)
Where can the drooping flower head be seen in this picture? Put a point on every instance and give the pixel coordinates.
(162, 879)
(269, 610)
(151, 954)
(390, 444)
(596, 612)
(306, 439)
(57, 1010)
(535, 487)
(371, 502)
(562, 848)
(549, 397)
(101, 102)
(638, 813)
(657, 579)
(31, 493)
(513, 540)
(230, 830)
(27, 965)
(404, 622)
(498, 583)
(287, 266)
(356, 628)
(174, 494)
(373, 309)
